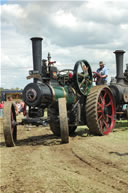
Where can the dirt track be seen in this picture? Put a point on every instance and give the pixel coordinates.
(88, 164)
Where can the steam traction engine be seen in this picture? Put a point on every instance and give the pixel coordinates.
(119, 87)
(67, 95)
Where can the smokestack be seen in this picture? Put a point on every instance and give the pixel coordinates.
(119, 65)
(37, 54)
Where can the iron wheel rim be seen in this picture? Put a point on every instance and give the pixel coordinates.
(105, 111)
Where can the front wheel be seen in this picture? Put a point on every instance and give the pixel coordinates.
(100, 110)
(9, 124)
(55, 123)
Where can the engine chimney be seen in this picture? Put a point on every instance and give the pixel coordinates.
(37, 54)
(119, 65)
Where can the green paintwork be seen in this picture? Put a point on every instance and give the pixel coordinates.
(60, 92)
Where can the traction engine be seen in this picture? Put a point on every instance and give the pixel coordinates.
(119, 87)
(68, 96)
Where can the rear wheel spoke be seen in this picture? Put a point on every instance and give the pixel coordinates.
(108, 104)
(101, 99)
(100, 117)
(109, 116)
(104, 95)
(101, 124)
(105, 124)
(100, 104)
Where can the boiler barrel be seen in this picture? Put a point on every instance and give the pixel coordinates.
(120, 93)
(40, 94)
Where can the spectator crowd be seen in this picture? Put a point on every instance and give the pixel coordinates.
(19, 106)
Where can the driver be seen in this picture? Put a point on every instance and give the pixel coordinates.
(102, 74)
(84, 68)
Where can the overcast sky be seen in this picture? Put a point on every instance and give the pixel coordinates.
(71, 30)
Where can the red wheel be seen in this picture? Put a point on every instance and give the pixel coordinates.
(9, 124)
(100, 110)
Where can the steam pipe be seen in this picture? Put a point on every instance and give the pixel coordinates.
(119, 65)
(37, 54)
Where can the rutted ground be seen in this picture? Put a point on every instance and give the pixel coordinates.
(88, 164)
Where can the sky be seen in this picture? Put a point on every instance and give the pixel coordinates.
(71, 30)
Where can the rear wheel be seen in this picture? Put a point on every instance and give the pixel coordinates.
(9, 124)
(100, 110)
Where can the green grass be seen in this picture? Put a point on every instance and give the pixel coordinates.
(121, 124)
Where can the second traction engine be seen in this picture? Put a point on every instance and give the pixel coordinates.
(119, 86)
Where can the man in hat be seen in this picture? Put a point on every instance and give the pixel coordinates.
(101, 74)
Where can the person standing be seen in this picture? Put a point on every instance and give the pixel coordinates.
(101, 74)
(16, 108)
(1, 108)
